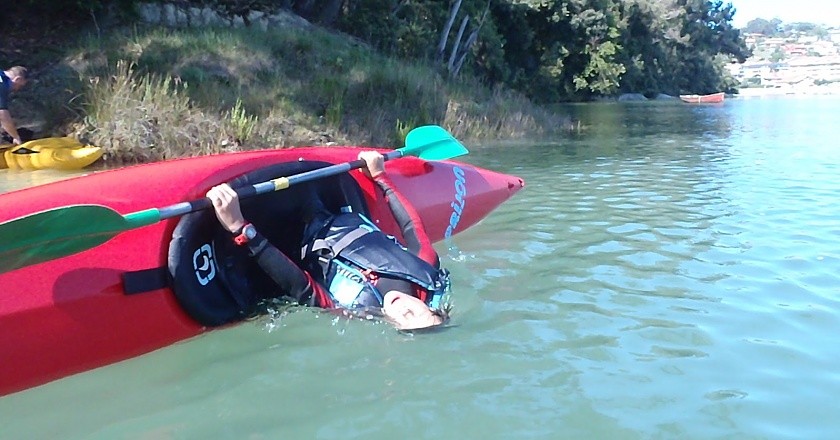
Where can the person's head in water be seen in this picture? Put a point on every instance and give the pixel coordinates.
(406, 305)
(407, 312)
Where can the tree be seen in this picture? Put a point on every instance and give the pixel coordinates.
(577, 42)
(644, 49)
(458, 54)
(764, 27)
(708, 31)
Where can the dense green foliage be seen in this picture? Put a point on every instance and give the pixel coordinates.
(550, 50)
(555, 50)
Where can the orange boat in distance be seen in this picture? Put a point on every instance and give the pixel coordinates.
(703, 99)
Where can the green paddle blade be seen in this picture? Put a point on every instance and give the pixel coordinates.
(59, 232)
(432, 142)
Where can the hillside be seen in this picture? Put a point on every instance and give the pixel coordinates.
(795, 63)
(149, 91)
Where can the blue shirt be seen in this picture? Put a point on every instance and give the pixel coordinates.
(5, 88)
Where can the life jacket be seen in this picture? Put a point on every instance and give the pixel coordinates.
(351, 256)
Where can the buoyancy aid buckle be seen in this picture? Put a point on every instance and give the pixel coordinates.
(370, 275)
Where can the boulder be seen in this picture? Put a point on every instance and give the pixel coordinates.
(631, 97)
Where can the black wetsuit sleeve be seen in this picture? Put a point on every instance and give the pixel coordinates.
(409, 222)
(291, 279)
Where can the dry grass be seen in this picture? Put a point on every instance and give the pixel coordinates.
(139, 118)
(153, 94)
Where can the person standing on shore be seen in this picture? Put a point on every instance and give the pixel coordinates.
(11, 80)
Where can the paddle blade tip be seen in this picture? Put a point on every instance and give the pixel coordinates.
(432, 142)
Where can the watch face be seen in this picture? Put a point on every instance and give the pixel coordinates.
(250, 232)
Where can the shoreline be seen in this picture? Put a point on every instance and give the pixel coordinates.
(802, 91)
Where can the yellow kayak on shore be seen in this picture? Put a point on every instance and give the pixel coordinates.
(60, 153)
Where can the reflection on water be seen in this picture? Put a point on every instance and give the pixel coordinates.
(11, 180)
(671, 273)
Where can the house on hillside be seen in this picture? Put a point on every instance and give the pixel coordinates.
(824, 48)
(793, 49)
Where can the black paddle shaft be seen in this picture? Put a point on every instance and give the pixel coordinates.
(277, 184)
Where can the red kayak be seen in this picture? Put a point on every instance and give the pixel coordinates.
(714, 98)
(107, 303)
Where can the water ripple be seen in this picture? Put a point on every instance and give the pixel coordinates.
(670, 274)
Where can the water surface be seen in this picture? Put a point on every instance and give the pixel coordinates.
(672, 272)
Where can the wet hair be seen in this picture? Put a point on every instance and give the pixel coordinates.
(443, 312)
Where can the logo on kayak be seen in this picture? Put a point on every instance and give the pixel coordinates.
(205, 267)
(459, 202)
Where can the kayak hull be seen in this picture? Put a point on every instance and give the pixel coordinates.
(714, 98)
(63, 153)
(71, 314)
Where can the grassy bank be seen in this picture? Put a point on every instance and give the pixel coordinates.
(154, 93)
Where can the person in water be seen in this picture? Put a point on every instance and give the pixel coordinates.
(348, 262)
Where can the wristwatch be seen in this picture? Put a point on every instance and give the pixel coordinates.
(246, 234)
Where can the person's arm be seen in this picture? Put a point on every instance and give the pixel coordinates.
(6, 120)
(411, 226)
(293, 281)
(8, 124)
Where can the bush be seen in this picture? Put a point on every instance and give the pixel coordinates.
(145, 118)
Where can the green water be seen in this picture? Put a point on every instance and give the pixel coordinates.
(670, 273)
